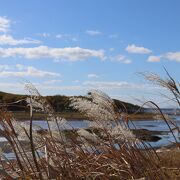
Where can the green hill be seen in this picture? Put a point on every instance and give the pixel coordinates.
(59, 102)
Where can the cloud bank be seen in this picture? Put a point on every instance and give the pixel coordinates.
(26, 72)
(69, 53)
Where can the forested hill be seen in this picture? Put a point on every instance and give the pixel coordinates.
(60, 103)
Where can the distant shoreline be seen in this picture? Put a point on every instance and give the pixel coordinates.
(23, 116)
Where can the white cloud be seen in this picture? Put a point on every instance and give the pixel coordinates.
(107, 85)
(102, 85)
(69, 53)
(67, 37)
(29, 71)
(173, 56)
(93, 32)
(133, 89)
(93, 76)
(154, 58)
(61, 88)
(137, 49)
(45, 89)
(9, 40)
(121, 58)
(4, 24)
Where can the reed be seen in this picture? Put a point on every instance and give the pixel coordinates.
(109, 150)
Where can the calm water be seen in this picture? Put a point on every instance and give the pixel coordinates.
(153, 125)
(157, 125)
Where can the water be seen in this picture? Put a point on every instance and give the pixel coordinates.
(152, 125)
(72, 124)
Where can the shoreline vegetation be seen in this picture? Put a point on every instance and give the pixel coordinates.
(24, 116)
(61, 105)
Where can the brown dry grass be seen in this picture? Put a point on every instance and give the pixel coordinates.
(84, 155)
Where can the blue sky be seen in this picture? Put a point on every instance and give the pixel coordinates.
(69, 47)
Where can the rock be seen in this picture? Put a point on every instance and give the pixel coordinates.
(147, 135)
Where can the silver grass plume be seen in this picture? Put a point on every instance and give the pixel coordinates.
(97, 106)
(169, 83)
(87, 135)
(39, 103)
(101, 109)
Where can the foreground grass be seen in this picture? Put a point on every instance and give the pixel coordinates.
(110, 150)
(107, 165)
(170, 161)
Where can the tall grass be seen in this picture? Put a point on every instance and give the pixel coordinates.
(107, 150)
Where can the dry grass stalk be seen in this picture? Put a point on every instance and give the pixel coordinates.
(108, 150)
